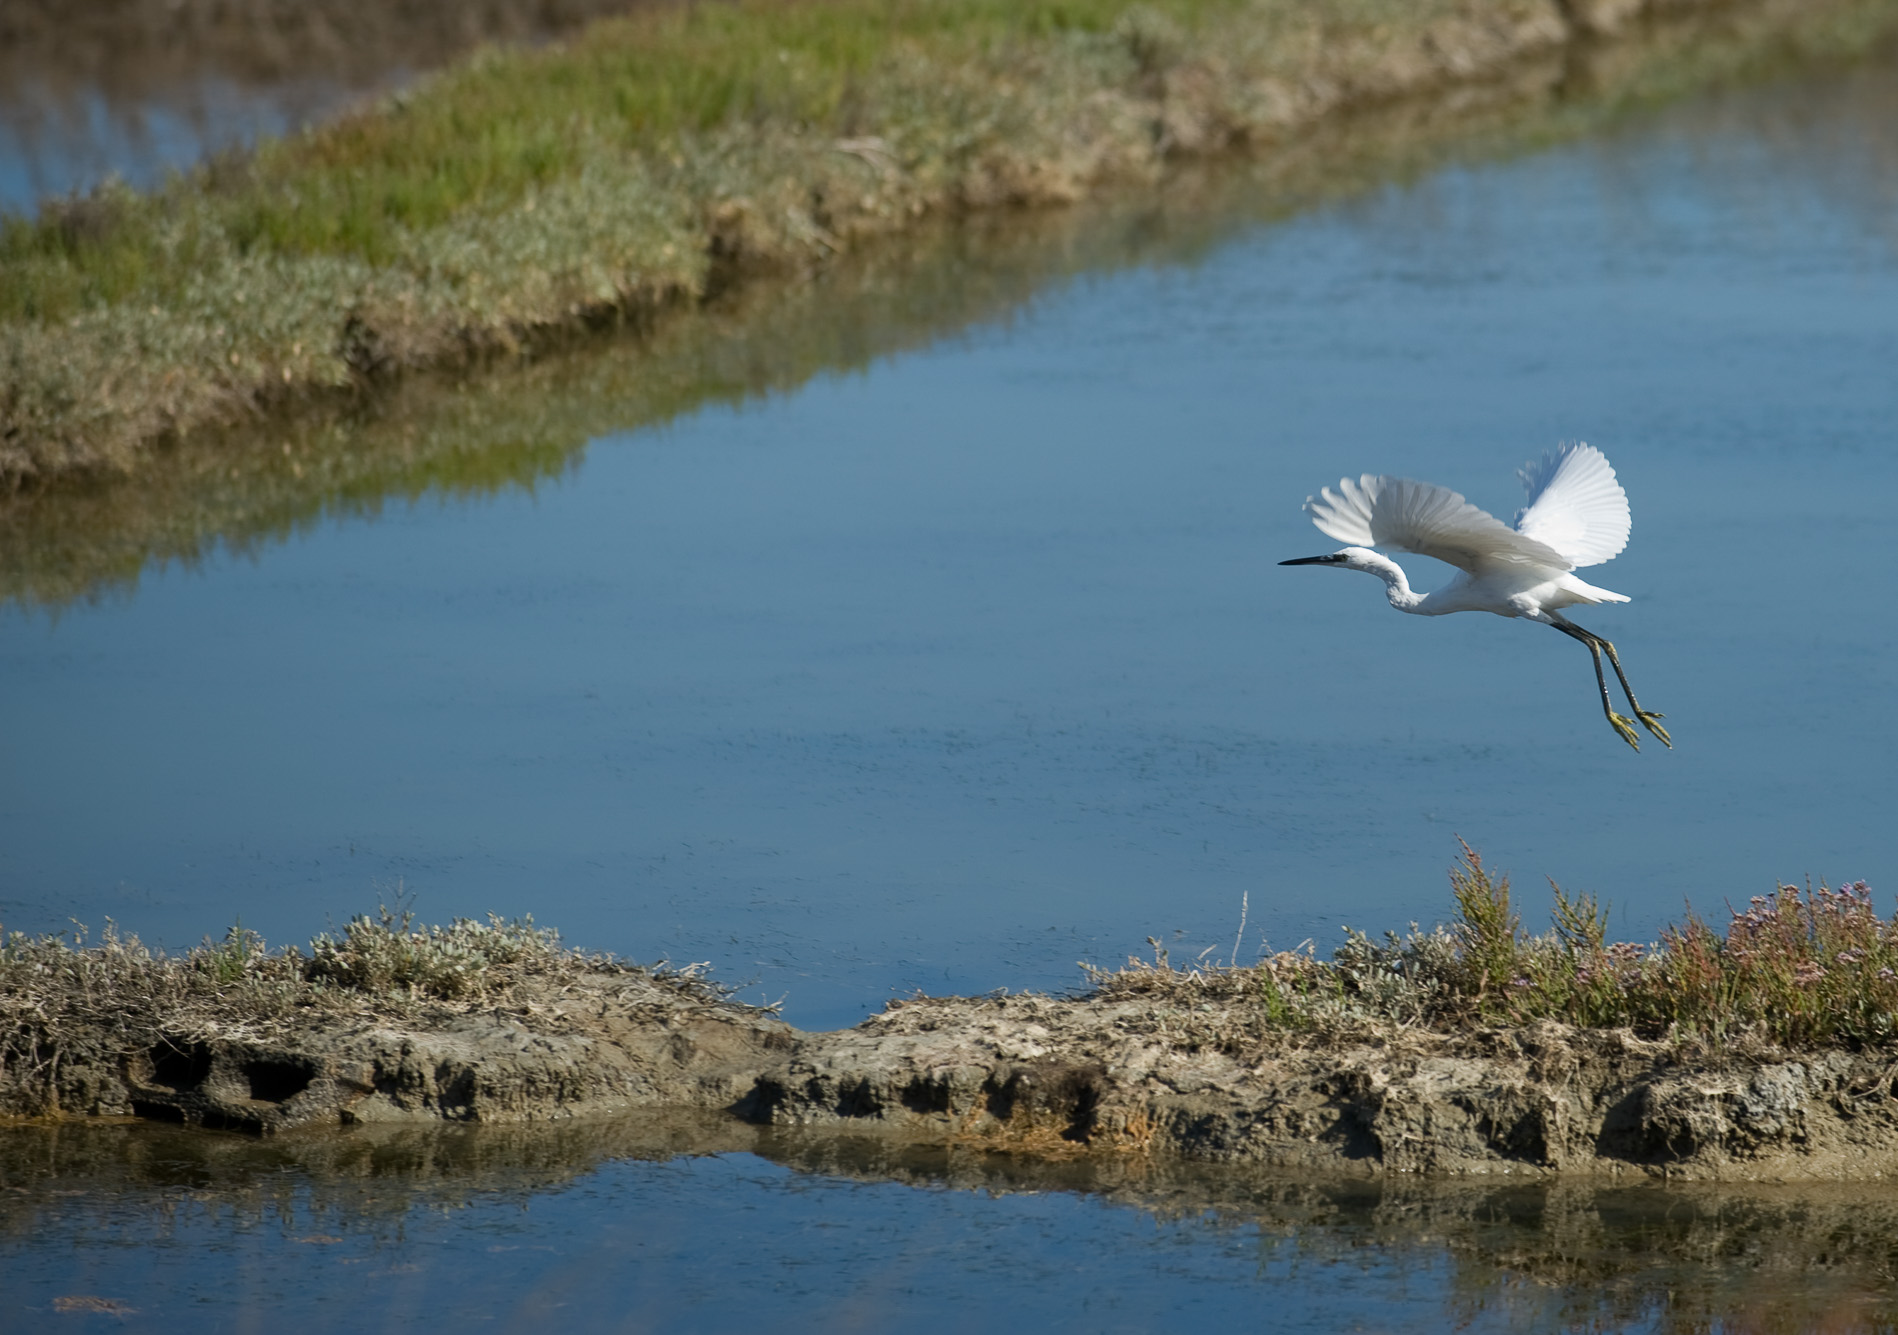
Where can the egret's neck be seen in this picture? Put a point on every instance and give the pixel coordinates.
(1396, 587)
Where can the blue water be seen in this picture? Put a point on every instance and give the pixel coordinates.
(430, 1231)
(951, 673)
(67, 140)
(645, 1246)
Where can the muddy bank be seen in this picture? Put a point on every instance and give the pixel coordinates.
(1059, 1078)
(1471, 1048)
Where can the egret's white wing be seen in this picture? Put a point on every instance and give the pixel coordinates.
(1575, 505)
(1377, 511)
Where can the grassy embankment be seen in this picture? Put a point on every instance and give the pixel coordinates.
(642, 165)
(1807, 970)
(649, 163)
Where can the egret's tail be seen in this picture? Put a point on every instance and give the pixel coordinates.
(1588, 593)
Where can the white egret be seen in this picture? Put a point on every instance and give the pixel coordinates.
(1577, 515)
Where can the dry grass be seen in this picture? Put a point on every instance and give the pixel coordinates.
(63, 994)
(1806, 969)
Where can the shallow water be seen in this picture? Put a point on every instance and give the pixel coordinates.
(950, 672)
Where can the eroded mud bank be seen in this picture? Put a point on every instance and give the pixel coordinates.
(1049, 1077)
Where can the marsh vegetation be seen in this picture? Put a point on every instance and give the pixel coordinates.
(1805, 968)
(1801, 971)
(70, 999)
(655, 162)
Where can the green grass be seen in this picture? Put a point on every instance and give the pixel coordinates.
(647, 162)
(485, 135)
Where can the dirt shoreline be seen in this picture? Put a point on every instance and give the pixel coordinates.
(1042, 1076)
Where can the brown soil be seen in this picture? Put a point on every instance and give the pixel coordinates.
(1054, 1078)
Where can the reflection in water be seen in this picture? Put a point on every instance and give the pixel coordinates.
(136, 88)
(607, 1222)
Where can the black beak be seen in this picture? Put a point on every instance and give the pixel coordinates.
(1331, 560)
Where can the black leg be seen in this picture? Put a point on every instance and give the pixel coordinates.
(1647, 716)
(1624, 727)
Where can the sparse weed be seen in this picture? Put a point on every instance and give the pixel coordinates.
(1804, 969)
(231, 959)
(388, 954)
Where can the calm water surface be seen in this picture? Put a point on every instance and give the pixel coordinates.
(142, 88)
(66, 140)
(947, 674)
(150, 1228)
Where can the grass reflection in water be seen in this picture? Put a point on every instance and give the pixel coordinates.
(617, 1223)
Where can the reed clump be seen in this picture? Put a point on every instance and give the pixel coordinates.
(1809, 968)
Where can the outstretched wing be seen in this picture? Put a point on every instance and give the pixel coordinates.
(1377, 511)
(1575, 505)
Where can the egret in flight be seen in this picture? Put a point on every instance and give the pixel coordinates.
(1577, 515)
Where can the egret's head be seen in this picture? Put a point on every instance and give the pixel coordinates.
(1349, 558)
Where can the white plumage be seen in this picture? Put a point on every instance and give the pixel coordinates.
(1575, 505)
(1577, 515)
(1426, 519)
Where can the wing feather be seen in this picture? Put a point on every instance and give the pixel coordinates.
(1380, 511)
(1575, 505)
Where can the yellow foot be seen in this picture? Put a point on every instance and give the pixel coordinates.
(1625, 726)
(1647, 717)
